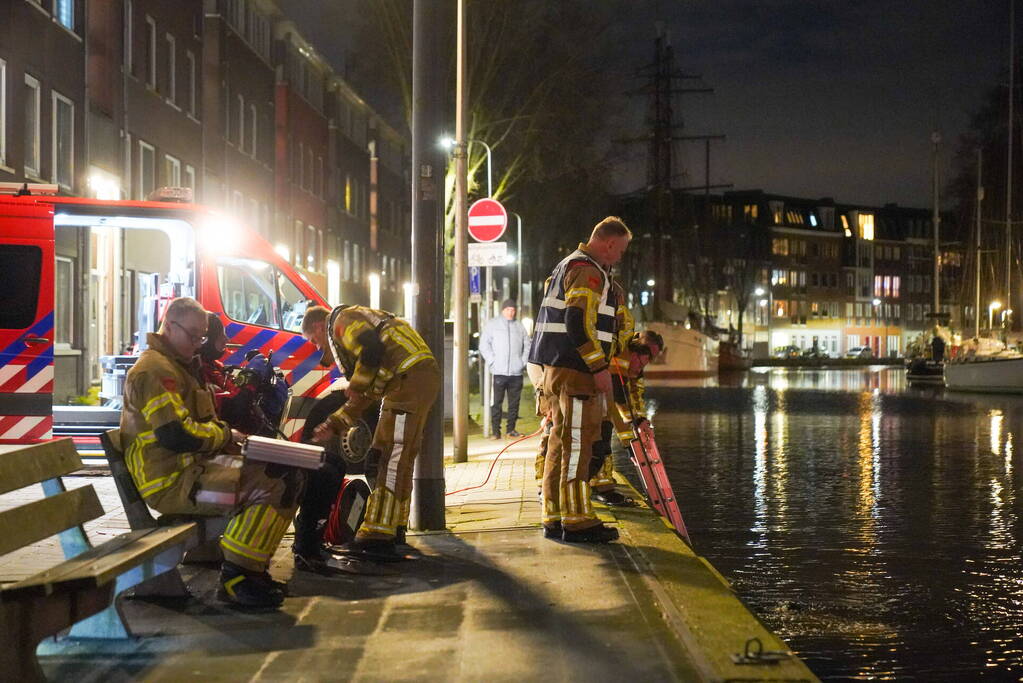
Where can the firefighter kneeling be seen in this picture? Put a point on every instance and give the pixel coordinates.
(383, 357)
(574, 341)
(185, 461)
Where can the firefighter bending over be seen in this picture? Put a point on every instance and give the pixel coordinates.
(574, 341)
(185, 461)
(383, 358)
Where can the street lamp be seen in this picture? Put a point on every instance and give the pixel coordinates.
(518, 270)
(991, 308)
(884, 333)
(450, 142)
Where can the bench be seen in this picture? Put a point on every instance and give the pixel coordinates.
(203, 547)
(81, 592)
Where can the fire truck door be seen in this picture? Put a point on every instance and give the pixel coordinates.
(26, 322)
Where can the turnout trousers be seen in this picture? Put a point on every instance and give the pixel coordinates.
(261, 507)
(576, 412)
(396, 442)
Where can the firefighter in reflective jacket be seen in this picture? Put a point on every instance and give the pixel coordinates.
(574, 341)
(185, 461)
(384, 358)
(603, 482)
(629, 413)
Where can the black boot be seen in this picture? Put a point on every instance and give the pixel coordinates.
(373, 550)
(248, 589)
(552, 530)
(595, 534)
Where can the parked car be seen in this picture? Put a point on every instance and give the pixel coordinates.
(860, 352)
(789, 351)
(815, 353)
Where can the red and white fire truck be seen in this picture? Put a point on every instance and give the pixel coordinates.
(228, 268)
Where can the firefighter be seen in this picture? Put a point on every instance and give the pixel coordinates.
(602, 483)
(574, 341)
(384, 358)
(185, 461)
(629, 414)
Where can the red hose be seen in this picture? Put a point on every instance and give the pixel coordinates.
(492, 464)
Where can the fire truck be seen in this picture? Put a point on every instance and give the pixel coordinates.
(230, 269)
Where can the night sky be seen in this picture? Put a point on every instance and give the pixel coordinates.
(816, 98)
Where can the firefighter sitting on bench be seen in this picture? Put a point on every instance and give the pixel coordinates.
(185, 461)
(383, 357)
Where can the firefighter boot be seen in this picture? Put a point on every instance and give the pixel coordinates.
(594, 534)
(248, 589)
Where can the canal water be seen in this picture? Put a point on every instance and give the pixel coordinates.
(875, 527)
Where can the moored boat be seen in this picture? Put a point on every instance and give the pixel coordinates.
(688, 353)
(1001, 374)
(925, 372)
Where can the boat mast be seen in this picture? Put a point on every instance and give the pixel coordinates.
(936, 222)
(980, 200)
(1008, 172)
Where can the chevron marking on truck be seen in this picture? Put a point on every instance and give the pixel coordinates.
(26, 427)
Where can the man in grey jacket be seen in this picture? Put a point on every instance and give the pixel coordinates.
(504, 346)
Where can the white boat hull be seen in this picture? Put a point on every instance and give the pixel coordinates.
(989, 375)
(689, 353)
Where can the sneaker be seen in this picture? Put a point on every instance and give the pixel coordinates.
(552, 531)
(514, 434)
(248, 589)
(594, 534)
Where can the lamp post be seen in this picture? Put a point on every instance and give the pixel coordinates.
(991, 308)
(450, 142)
(884, 333)
(769, 303)
(522, 255)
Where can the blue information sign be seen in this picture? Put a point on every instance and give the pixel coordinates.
(474, 279)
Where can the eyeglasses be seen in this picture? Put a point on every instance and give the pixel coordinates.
(195, 338)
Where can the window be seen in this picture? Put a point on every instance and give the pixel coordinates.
(780, 246)
(319, 177)
(147, 169)
(3, 112)
(63, 141)
(32, 127)
(192, 100)
(64, 11)
(241, 122)
(63, 311)
(172, 76)
(252, 130)
(300, 161)
(865, 222)
(129, 36)
(171, 171)
(149, 63)
(20, 270)
(346, 263)
(190, 180)
(247, 291)
(293, 304)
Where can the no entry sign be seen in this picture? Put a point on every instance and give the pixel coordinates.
(487, 220)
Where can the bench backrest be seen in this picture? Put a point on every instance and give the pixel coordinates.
(135, 508)
(43, 463)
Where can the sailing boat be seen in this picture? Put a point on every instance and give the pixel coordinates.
(986, 364)
(929, 371)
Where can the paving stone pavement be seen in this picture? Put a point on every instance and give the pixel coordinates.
(488, 599)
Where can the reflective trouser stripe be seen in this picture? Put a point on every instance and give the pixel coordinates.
(398, 436)
(577, 441)
(252, 536)
(384, 513)
(606, 475)
(576, 507)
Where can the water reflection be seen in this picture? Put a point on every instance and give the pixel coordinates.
(874, 526)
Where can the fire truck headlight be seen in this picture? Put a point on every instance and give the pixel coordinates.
(220, 234)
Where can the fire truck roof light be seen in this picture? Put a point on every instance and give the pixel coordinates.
(171, 194)
(29, 188)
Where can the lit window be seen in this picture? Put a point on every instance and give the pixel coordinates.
(866, 226)
(64, 10)
(845, 225)
(813, 220)
(192, 92)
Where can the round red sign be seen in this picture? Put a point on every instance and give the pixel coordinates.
(487, 220)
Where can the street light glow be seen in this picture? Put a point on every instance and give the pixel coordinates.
(759, 291)
(994, 305)
(650, 283)
(876, 302)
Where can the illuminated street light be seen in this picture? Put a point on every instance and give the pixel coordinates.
(991, 308)
(448, 143)
(374, 290)
(650, 283)
(759, 291)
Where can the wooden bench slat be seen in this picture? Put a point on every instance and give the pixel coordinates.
(33, 464)
(101, 564)
(26, 524)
